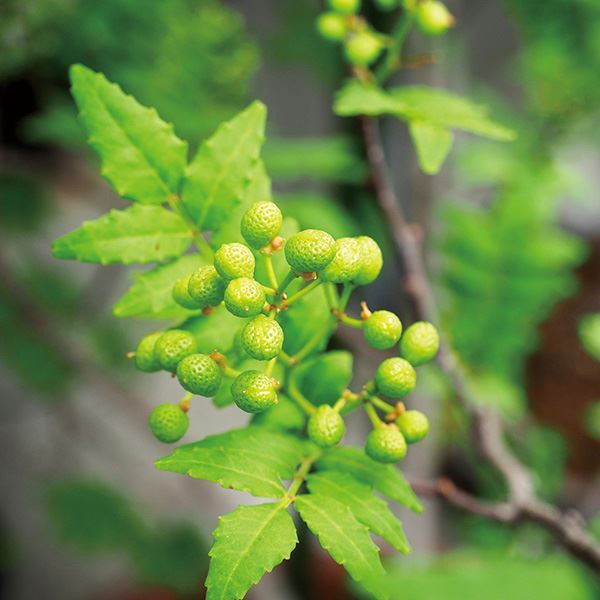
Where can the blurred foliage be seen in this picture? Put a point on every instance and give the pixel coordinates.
(589, 333)
(24, 201)
(95, 518)
(592, 419)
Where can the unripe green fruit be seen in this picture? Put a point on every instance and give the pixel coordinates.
(172, 346)
(386, 444)
(262, 338)
(382, 329)
(345, 7)
(413, 425)
(206, 287)
(254, 391)
(363, 48)
(199, 374)
(261, 223)
(371, 260)
(145, 353)
(326, 427)
(433, 18)
(233, 261)
(168, 423)
(181, 294)
(310, 250)
(420, 343)
(395, 377)
(345, 263)
(332, 26)
(244, 297)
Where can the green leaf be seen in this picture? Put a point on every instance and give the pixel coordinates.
(589, 333)
(432, 143)
(140, 154)
(215, 331)
(368, 508)
(249, 542)
(216, 178)
(139, 234)
(251, 460)
(323, 378)
(386, 479)
(150, 295)
(356, 98)
(347, 541)
(285, 416)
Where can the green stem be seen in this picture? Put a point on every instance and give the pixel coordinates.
(229, 371)
(346, 320)
(203, 246)
(271, 272)
(286, 281)
(269, 290)
(381, 404)
(340, 403)
(345, 297)
(300, 477)
(373, 416)
(270, 366)
(287, 359)
(392, 57)
(305, 290)
(312, 342)
(331, 295)
(296, 395)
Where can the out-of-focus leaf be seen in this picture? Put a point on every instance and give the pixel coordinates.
(592, 419)
(433, 143)
(323, 378)
(285, 416)
(24, 202)
(589, 333)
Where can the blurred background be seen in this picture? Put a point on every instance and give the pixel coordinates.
(513, 241)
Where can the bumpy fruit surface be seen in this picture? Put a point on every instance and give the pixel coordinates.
(199, 374)
(420, 343)
(413, 425)
(173, 346)
(261, 223)
(145, 354)
(332, 26)
(382, 329)
(262, 338)
(181, 294)
(346, 7)
(206, 287)
(363, 48)
(345, 263)
(244, 297)
(326, 427)
(254, 391)
(234, 260)
(371, 260)
(310, 250)
(168, 423)
(395, 377)
(433, 18)
(386, 444)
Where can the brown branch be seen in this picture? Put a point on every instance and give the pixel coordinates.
(522, 504)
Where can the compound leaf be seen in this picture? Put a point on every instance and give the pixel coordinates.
(140, 154)
(384, 478)
(249, 542)
(139, 234)
(368, 508)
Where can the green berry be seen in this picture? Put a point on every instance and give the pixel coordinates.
(262, 338)
(363, 48)
(233, 261)
(244, 297)
(199, 374)
(309, 251)
(413, 425)
(254, 391)
(168, 423)
(420, 343)
(345, 263)
(371, 260)
(173, 346)
(433, 18)
(326, 427)
(382, 329)
(261, 223)
(145, 354)
(345, 7)
(386, 444)
(207, 287)
(332, 26)
(181, 294)
(395, 377)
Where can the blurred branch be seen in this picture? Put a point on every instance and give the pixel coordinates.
(522, 504)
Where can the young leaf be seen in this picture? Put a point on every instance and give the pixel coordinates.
(347, 541)
(140, 154)
(150, 295)
(250, 460)
(356, 98)
(324, 377)
(139, 234)
(215, 179)
(432, 144)
(249, 542)
(386, 479)
(368, 508)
